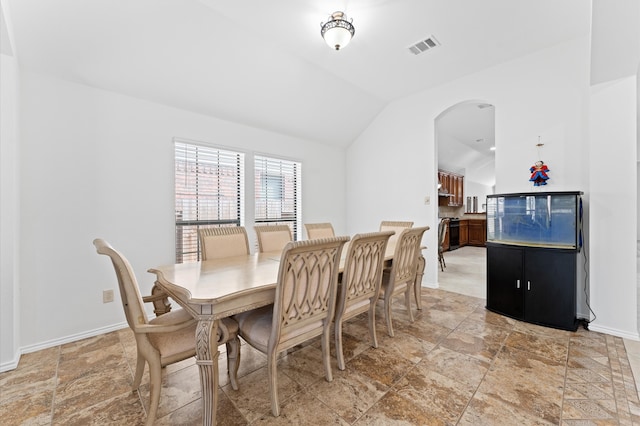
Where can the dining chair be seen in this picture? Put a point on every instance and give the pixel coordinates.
(401, 277)
(394, 225)
(319, 230)
(303, 308)
(442, 233)
(227, 241)
(272, 237)
(359, 287)
(166, 339)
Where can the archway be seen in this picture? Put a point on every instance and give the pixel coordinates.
(465, 151)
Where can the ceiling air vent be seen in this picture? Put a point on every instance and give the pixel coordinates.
(424, 45)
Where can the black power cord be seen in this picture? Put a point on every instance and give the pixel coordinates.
(585, 322)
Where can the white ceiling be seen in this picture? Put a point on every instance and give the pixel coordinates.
(264, 63)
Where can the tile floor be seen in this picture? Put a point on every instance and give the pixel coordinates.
(456, 364)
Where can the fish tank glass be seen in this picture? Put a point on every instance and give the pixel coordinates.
(536, 219)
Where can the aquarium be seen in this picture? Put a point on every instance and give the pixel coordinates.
(538, 219)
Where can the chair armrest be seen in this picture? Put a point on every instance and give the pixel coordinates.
(153, 298)
(164, 328)
(160, 300)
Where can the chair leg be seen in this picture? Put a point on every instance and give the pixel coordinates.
(372, 324)
(418, 285)
(273, 383)
(155, 371)
(233, 361)
(326, 351)
(137, 378)
(387, 314)
(407, 301)
(338, 337)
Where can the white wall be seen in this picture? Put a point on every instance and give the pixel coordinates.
(613, 207)
(9, 214)
(542, 94)
(614, 118)
(546, 95)
(615, 42)
(475, 189)
(100, 164)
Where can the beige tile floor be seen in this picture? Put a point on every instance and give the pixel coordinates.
(466, 273)
(457, 364)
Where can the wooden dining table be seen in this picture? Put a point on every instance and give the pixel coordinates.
(214, 289)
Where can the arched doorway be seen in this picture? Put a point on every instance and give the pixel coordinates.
(465, 147)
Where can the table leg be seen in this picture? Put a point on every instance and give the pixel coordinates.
(417, 288)
(207, 360)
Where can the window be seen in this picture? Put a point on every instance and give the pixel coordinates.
(277, 188)
(209, 192)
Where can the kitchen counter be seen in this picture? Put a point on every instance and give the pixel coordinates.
(479, 216)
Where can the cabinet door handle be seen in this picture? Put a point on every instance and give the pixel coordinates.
(517, 283)
(528, 285)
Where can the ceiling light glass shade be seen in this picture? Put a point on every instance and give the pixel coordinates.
(337, 31)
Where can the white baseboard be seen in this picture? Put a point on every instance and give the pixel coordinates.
(13, 364)
(10, 365)
(614, 332)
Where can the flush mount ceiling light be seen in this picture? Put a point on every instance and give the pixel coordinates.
(337, 31)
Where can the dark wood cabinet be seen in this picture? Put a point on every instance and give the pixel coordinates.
(536, 285)
(452, 184)
(464, 233)
(459, 192)
(477, 232)
(472, 232)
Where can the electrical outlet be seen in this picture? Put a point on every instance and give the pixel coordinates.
(107, 296)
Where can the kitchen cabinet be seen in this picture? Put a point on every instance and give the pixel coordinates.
(464, 233)
(477, 232)
(536, 285)
(459, 191)
(451, 192)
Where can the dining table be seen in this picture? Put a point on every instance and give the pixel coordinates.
(215, 289)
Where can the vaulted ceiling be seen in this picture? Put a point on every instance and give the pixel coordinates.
(264, 63)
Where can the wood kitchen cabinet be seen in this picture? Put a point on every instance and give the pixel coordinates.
(459, 192)
(477, 232)
(464, 233)
(536, 285)
(453, 187)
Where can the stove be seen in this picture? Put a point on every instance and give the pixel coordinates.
(454, 233)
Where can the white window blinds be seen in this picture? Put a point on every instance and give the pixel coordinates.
(208, 191)
(277, 187)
